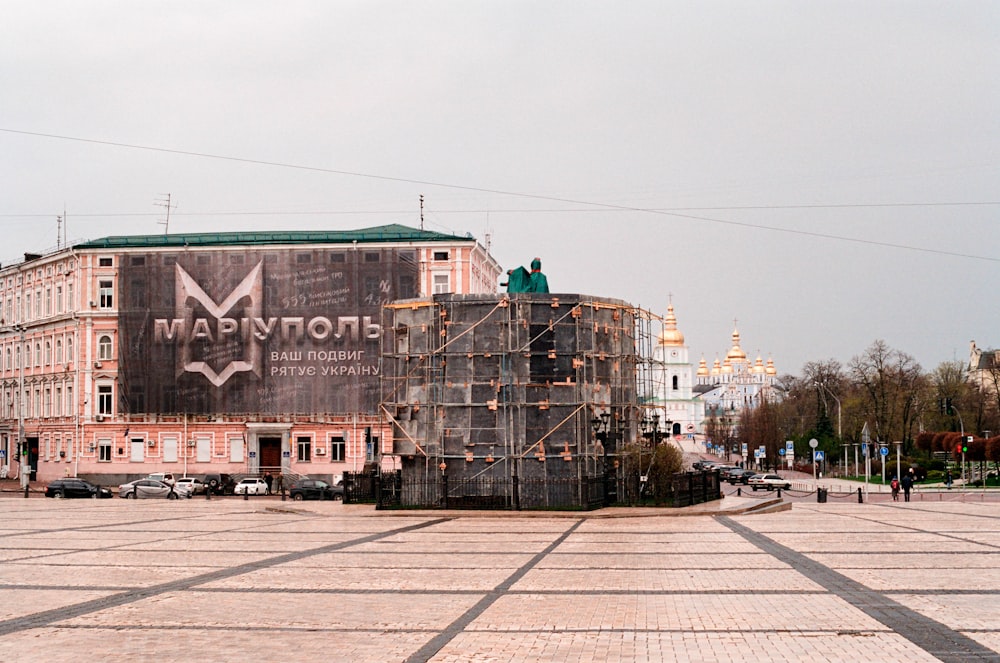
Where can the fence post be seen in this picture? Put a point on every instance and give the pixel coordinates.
(444, 488)
(378, 491)
(516, 490)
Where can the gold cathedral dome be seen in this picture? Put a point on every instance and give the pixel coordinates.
(736, 354)
(671, 335)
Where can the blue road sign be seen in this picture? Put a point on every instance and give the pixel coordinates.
(819, 455)
(781, 452)
(884, 451)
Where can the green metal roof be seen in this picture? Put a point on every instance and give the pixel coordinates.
(389, 233)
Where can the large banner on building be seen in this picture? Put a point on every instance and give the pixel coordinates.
(272, 331)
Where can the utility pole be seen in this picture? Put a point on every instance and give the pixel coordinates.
(421, 211)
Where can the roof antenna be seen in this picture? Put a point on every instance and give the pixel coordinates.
(164, 201)
(421, 211)
(59, 222)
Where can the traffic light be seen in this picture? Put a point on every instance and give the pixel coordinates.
(948, 408)
(965, 444)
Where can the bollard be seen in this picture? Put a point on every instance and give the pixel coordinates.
(861, 499)
(779, 493)
(739, 491)
(208, 492)
(246, 493)
(282, 493)
(26, 492)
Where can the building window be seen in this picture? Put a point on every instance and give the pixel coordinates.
(440, 255)
(38, 353)
(59, 354)
(105, 399)
(304, 445)
(69, 349)
(107, 294)
(48, 301)
(441, 284)
(105, 262)
(27, 355)
(303, 258)
(69, 295)
(675, 383)
(48, 353)
(337, 448)
(371, 449)
(57, 404)
(373, 257)
(104, 451)
(27, 306)
(104, 348)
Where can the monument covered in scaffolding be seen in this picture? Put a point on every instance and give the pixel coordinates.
(503, 394)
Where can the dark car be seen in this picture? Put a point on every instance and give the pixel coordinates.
(220, 484)
(75, 487)
(737, 475)
(315, 489)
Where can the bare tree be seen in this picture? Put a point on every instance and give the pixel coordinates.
(894, 386)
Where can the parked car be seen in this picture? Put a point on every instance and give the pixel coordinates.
(220, 484)
(76, 487)
(165, 477)
(768, 481)
(739, 476)
(196, 485)
(251, 486)
(149, 488)
(315, 489)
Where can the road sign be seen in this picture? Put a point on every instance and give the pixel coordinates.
(884, 451)
(819, 455)
(781, 452)
(814, 443)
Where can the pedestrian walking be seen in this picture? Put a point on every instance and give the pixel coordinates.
(894, 484)
(907, 485)
(268, 479)
(948, 479)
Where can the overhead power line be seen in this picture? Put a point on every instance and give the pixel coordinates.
(516, 194)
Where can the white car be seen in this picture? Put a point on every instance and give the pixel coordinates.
(147, 488)
(768, 481)
(251, 486)
(196, 486)
(165, 477)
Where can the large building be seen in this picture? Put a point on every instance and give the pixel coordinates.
(233, 353)
(735, 384)
(671, 387)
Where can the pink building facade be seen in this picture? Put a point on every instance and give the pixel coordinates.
(237, 353)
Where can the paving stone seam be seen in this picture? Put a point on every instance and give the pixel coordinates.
(935, 638)
(448, 634)
(48, 617)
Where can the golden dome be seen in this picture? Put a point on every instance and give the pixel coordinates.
(758, 366)
(716, 367)
(736, 354)
(671, 335)
(702, 367)
(771, 370)
(727, 366)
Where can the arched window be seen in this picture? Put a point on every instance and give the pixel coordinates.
(675, 383)
(59, 354)
(69, 348)
(48, 353)
(104, 347)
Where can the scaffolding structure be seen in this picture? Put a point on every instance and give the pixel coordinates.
(509, 386)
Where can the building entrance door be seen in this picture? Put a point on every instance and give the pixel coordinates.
(270, 454)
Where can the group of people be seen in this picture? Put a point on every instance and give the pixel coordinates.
(906, 484)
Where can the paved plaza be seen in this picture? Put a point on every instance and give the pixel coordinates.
(266, 580)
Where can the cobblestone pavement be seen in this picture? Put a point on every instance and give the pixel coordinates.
(236, 580)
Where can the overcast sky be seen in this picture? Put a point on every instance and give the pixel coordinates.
(823, 172)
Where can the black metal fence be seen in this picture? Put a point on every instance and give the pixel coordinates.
(394, 491)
